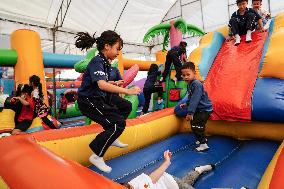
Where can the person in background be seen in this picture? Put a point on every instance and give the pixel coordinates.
(26, 116)
(151, 86)
(160, 179)
(256, 5)
(63, 104)
(174, 57)
(41, 109)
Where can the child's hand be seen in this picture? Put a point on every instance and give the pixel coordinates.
(119, 82)
(167, 156)
(182, 106)
(133, 91)
(14, 99)
(189, 117)
(262, 30)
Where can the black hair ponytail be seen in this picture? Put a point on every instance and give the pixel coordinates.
(85, 41)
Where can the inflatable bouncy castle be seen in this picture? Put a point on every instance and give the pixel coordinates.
(246, 132)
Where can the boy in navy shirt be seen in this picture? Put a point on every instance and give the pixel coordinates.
(243, 22)
(199, 106)
(94, 95)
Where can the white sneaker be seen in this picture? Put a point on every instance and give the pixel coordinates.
(119, 144)
(202, 147)
(238, 39)
(248, 38)
(99, 163)
(5, 135)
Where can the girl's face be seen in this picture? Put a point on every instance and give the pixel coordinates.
(112, 52)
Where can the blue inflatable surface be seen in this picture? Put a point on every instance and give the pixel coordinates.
(239, 163)
(268, 100)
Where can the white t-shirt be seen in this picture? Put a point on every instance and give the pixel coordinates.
(143, 181)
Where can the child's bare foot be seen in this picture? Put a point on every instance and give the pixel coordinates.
(16, 132)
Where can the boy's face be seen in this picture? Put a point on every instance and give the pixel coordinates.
(256, 5)
(187, 75)
(242, 5)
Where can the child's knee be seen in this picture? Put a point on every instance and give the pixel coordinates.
(233, 20)
(120, 126)
(250, 15)
(197, 128)
(128, 106)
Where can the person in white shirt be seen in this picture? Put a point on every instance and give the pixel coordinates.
(159, 179)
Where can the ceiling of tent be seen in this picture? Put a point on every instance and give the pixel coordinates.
(130, 18)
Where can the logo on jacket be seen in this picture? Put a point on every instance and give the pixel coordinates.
(99, 73)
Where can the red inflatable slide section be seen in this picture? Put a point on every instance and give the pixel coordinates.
(231, 79)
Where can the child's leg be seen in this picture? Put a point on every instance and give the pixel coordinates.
(235, 29)
(168, 64)
(251, 22)
(147, 96)
(250, 25)
(188, 180)
(198, 128)
(198, 125)
(22, 126)
(64, 111)
(59, 112)
(178, 65)
(124, 106)
(108, 117)
(159, 90)
(48, 122)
